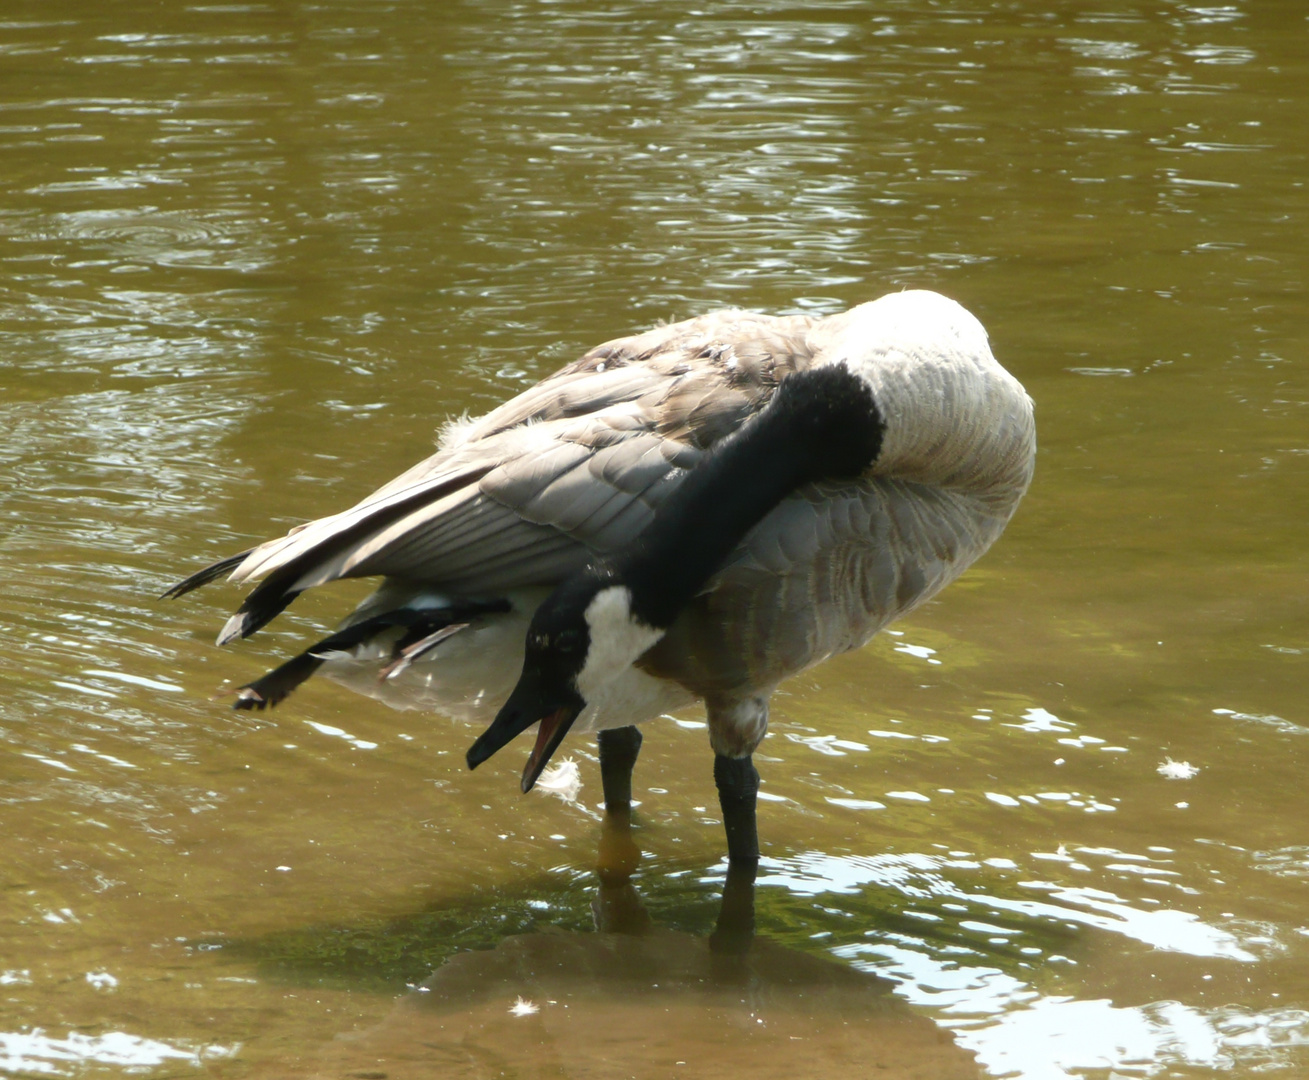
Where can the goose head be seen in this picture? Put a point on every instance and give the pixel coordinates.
(584, 635)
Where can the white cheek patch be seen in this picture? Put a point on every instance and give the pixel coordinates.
(617, 639)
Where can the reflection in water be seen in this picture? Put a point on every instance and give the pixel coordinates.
(921, 875)
(998, 1010)
(566, 1003)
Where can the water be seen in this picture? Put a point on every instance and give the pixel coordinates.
(254, 254)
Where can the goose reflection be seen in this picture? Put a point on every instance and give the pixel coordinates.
(633, 998)
(617, 906)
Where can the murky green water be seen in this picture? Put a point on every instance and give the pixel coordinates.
(250, 257)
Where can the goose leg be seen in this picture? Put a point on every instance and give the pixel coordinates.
(738, 792)
(618, 750)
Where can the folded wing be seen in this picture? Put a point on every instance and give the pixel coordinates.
(575, 465)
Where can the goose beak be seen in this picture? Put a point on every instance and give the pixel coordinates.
(532, 700)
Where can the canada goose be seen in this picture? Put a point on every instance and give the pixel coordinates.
(698, 511)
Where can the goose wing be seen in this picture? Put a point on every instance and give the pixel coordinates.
(576, 464)
(821, 574)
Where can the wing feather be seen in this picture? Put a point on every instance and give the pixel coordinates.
(575, 465)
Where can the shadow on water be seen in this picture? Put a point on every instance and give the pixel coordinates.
(581, 977)
(718, 906)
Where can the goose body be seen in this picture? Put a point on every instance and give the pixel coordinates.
(699, 511)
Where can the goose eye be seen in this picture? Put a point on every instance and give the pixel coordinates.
(568, 641)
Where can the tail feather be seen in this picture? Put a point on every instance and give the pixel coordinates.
(203, 577)
(421, 625)
(249, 618)
(278, 589)
(405, 654)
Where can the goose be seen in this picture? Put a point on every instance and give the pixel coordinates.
(695, 512)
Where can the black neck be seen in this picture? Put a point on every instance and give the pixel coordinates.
(821, 424)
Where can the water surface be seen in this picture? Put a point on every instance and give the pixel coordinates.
(251, 257)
